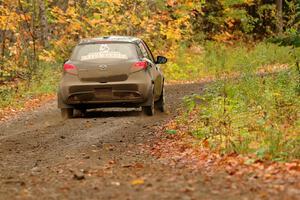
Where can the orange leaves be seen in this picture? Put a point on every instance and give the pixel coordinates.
(223, 37)
(230, 22)
(171, 3)
(10, 111)
(182, 152)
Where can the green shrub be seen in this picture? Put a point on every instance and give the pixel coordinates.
(257, 115)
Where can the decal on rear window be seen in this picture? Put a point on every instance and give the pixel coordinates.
(104, 52)
(104, 48)
(120, 51)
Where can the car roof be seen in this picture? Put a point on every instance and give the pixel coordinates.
(110, 39)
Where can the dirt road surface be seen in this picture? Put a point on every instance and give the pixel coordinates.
(100, 157)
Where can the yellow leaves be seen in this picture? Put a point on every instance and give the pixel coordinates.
(250, 2)
(10, 19)
(68, 24)
(71, 12)
(56, 12)
(63, 17)
(13, 50)
(172, 34)
(48, 56)
(171, 53)
(91, 3)
(5, 23)
(135, 20)
(277, 94)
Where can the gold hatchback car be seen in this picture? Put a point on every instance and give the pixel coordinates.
(113, 71)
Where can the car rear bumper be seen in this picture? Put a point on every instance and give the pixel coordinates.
(103, 95)
(110, 94)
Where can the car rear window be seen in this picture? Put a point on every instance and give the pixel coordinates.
(111, 51)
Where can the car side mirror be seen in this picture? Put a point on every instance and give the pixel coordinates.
(161, 60)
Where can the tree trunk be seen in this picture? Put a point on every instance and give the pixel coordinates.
(43, 22)
(279, 6)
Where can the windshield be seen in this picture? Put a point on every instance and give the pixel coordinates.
(110, 51)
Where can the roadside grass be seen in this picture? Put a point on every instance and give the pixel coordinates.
(216, 59)
(248, 114)
(45, 82)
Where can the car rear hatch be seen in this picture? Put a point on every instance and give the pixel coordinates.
(104, 62)
(103, 71)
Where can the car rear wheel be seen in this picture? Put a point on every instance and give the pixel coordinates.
(67, 113)
(79, 112)
(160, 104)
(149, 110)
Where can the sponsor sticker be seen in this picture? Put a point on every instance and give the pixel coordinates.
(104, 52)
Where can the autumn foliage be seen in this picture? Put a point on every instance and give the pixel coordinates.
(33, 32)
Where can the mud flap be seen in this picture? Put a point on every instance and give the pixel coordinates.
(61, 103)
(150, 96)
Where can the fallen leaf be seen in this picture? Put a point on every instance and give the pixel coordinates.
(116, 183)
(137, 182)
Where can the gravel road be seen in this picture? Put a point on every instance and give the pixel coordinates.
(98, 157)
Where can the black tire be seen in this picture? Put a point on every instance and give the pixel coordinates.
(67, 113)
(160, 104)
(149, 110)
(79, 112)
(83, 112)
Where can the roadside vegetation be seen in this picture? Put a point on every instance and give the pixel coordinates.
(251, 113)
(15, 94)
(252, 102)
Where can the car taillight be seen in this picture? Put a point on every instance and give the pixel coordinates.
(71, 69)
(140, 65)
